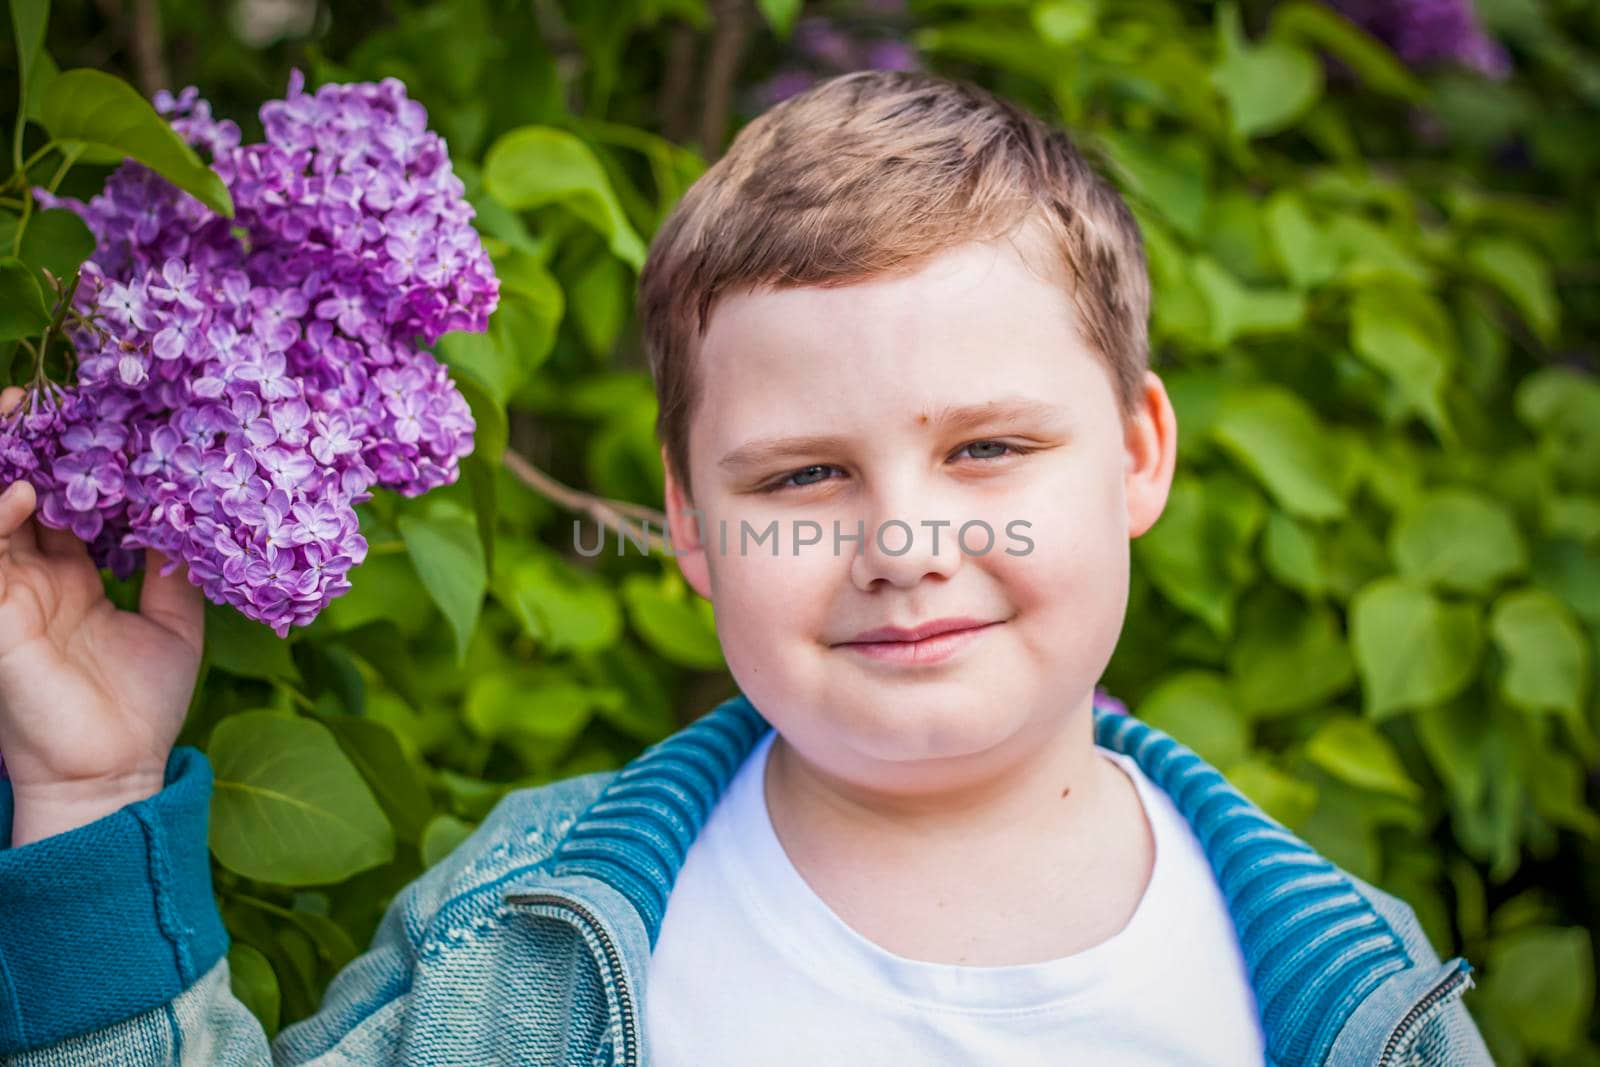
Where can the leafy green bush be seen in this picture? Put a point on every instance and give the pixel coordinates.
(1373, 600)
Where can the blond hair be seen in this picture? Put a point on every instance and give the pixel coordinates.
(871, 174)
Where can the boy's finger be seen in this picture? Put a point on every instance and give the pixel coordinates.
(61, 544)
(10, 397)
(16, 532)
(171, 600)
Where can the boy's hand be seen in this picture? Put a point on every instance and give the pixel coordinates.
(91, 697)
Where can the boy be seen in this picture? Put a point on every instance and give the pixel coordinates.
(898, 308)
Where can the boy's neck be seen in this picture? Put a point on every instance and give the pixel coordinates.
(990, 873)
(1031, 780)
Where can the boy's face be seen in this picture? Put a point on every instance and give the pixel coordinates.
(874, 367)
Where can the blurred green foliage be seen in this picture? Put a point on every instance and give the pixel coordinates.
(1373, 600)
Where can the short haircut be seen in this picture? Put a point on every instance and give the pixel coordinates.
(872, 174)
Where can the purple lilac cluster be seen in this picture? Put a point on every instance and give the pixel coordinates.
(1427, 32)
(823, 47)
(242, 385)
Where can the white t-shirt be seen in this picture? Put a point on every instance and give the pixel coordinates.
(753, 968)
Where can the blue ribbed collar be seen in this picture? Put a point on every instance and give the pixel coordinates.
(1314, 944)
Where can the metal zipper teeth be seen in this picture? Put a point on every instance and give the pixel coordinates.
(629, 1026)
(1437, 993)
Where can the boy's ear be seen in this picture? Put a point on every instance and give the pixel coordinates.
(1150, 437)
(685, 528)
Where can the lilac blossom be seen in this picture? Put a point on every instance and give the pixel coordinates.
(822, 47)
(1106, 702)
(1424, 33)
(243, 384)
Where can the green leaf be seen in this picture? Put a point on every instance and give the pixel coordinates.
(1546, 654)
(1274, 435)
(395, 781)
(539, 711)
(39, 78)
(1015, 48)
(1562, 406)
(1286, 799)
(1238, 310)
(96, 110)
(1404, 333)
(443, 834)
(1199, 709)
(601, 302)
(330, 942)
(1064, 22)
(1458, 540)
(448, 556)
(470, 798)
(251, 978)
(288, 807)
(1369, 254)
(1353, 751)
(1456, 738)
(521, 332)
(1309, 258)
(558, 606)
(537, 165)
(1575, 516)
(1170, 176)
(780, 14)
(538, 304)
(483, 482)
(1557, 783)
(1287, 656)
(1198, 552)
(1523, 276)
(491, 427)
(645, 711)
(384, 588)
(1339, 828)
(480, 361)
(1411, 648)
(1540, 981)
(245, 647)
(59, 241)
(28, 21)
(1292, 555)
(673, 626)
(1178, 309)
(1268, 85)
(22, 308)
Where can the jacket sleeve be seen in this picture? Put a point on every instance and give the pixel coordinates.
(112, 949)
(1447, 1037)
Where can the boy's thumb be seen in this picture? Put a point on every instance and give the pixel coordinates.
(171, 599)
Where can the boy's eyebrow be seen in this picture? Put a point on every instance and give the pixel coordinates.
(953, 418)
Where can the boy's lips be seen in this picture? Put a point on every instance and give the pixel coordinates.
(932, 628)
(929, 643)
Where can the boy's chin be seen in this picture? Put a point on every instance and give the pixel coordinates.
(925, 735)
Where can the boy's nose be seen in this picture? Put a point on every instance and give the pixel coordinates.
(903, 551)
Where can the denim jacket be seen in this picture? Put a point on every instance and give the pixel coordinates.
(529, 943)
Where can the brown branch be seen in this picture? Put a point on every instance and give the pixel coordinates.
(144, 41)
(733, 22)
(677, 84)
(609, 513)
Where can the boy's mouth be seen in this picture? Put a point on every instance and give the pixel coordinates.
(931, 642)
(933, 628)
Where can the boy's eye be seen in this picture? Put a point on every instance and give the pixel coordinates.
(990, 444)
(805, 476)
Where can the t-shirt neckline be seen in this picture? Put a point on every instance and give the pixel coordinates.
(813, 937)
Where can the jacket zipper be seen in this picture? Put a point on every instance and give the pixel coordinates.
(630, 1041)
(1451, 983)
